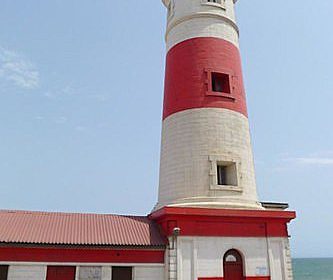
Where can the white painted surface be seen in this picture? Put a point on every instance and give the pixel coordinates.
(186, 260)
(209, 251)
(106, 273)
(148, 273)
(20, 272)
(203, 256)
(191, 19)
(90, 273)
(280, 259)
(191, 141)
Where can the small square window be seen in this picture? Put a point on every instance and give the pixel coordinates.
(227, 174)
(220, 82)
(224, 173)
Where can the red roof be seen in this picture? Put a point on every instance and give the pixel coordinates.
(77, 229)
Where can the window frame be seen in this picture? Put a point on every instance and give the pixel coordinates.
(224, 160)
(209, 84)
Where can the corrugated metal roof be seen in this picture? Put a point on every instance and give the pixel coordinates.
(77, 229)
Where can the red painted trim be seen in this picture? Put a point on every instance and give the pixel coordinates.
(223, 213)
(187, 76)
(223, 222)
(30, 254)
(210, 278)
(245, 278)
(258, 278)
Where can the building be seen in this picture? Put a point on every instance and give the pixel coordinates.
(208, 222)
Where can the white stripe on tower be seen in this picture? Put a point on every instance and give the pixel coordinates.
(193, 19)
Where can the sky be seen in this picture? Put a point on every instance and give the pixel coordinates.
(81, 88)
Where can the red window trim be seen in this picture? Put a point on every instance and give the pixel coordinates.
(230, 96)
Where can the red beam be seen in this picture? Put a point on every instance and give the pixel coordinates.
(223, 222)
(245, 278)
(63, 255)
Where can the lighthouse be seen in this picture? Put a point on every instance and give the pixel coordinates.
(207, 203)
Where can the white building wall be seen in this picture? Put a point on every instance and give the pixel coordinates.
(149, 273)
(280, 259)
(203, 256)
(26, 272)
(89, 273)
(106, 273)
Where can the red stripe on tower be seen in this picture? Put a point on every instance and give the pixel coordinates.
(204, 73)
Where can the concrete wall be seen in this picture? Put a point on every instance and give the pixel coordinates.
(25, 272)
(203, 257)
(280, 259)
(148, 273)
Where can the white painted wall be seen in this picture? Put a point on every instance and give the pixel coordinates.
(149, 273)
(191, 19)
(106, 273)
(203, 256)
(191, 141)
(89, 273)
(280, 259)
(21, 272)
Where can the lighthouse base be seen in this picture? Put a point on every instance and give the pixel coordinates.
(211, 244)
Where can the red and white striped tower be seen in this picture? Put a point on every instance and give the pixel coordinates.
(206, 155)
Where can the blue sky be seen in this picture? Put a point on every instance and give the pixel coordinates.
(81, 86)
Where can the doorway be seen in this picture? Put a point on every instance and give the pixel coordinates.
(233, 265)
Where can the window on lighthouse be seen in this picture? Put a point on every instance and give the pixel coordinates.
(227, 174)
(220, 82)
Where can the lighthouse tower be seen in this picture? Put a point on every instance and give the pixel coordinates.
(206, 156)
(208, 205)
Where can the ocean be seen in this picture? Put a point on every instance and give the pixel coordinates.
(313, 269)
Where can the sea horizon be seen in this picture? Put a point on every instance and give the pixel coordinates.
(320, 268)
